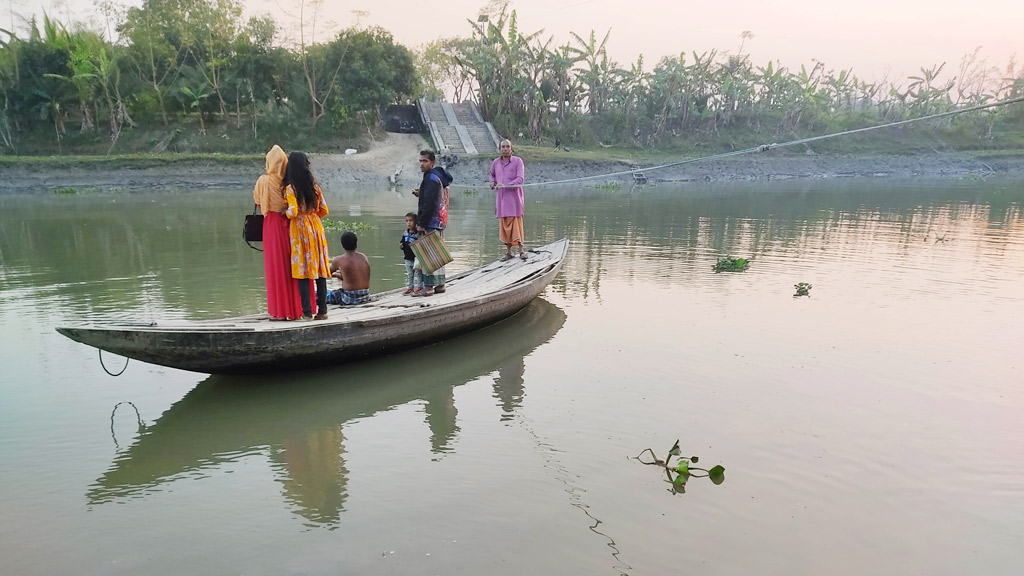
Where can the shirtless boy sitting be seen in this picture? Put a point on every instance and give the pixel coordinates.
(353, 269)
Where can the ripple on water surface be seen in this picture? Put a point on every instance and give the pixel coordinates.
(885, 403)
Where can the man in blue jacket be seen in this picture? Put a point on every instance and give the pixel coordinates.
(432, 211)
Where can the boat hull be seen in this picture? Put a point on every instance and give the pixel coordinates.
(253, 344)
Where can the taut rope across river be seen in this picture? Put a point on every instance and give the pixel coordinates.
(761, 148)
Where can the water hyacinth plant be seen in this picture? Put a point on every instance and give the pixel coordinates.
(680, 471)
(730, 264)
(802, 289)
(339, 226)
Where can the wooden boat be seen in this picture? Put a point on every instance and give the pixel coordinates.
(472, 300)
(228, 416)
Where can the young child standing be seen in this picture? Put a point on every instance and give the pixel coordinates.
(413, 273)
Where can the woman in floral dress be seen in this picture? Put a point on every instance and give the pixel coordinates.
(309, 258)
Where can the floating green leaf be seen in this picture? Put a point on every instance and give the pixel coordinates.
(717, 474)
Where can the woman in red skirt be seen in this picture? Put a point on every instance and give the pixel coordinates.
(282, 291)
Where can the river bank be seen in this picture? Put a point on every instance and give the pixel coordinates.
(398, 154)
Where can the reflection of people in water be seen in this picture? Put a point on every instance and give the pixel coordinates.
(441, 418)
(509, 386)
(219, 421)
(314, 474)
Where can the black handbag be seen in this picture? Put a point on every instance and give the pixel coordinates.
(252, 229)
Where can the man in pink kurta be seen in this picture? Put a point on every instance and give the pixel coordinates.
(507, 176)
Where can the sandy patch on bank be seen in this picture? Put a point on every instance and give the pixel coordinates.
(396, 153)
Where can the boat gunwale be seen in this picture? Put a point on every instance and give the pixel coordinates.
(425, 309)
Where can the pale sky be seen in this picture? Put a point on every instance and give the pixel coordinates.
(874, 37)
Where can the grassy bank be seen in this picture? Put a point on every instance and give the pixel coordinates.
(131, 161)
(897, 141)
(228, 146)
(221, 143)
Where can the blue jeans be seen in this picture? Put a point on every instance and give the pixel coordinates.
(413, 274)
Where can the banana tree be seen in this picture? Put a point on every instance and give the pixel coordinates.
(594, 74)
(49, 107)
(560, 64)
(929, 96)
(195, 89)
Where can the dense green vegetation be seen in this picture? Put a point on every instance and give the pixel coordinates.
(574, 92)
(192, 76)
(189, 76)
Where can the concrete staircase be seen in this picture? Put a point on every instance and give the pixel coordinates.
(458, 128)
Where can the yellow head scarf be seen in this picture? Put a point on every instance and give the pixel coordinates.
(269, 191)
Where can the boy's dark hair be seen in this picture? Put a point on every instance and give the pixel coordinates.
(348, 240)
(411, 215)
(429, 154)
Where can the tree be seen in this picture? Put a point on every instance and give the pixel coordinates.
(376, 72)
(439, 70)
(594, 75)
(155, 47)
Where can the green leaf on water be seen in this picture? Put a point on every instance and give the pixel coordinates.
(683, 467)
(717, 474)
(674, 451)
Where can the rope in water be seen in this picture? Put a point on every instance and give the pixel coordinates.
(138, 418)
(104, 366)
(761, 148)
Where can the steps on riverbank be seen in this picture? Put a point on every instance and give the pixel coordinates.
(458, 128)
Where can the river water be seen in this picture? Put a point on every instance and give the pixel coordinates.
(875, 425)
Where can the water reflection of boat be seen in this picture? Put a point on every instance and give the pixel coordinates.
(300, 425)
(473, 299)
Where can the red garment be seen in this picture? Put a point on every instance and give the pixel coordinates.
(282, 290)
